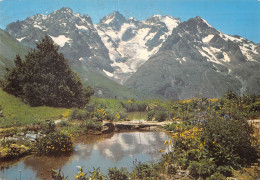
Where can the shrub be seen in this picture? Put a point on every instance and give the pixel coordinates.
(101, 114)
(150, 115)
(255, 107)
(144, 171)
(63, 124)
(92, 124)
(225, 170)
(160, 116)
(54, 143)
(49, 127)
(204, 168)
(96, 174)
(194, 169)
(12, 150)
(79, 114)
(118, 174)
(216, 176)
(229, 142)
(57, 175)
(81, 175)
(172, 169)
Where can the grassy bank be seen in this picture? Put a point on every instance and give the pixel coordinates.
(17, 113)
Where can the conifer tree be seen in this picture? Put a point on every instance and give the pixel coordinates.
(45, 78)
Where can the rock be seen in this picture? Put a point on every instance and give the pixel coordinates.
(20, 138)
(20, 134)
(182, 173)
(108, 128)
(124, 126)
(10, 138)
(31, 137)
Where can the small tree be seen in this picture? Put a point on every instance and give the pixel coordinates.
(45, 78)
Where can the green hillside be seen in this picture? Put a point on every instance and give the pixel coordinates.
(9, 48)
(105, 87)
(17, 113)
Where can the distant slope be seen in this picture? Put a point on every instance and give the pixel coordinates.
(9, 48)
(105, 87)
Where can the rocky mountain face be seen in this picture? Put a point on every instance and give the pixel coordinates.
(132, 42)
(197, 60)
(160, 55)
(74, 33)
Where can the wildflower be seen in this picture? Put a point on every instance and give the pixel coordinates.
(165, 142)
(170, 142)
(161, 150)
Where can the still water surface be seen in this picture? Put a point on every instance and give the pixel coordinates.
(104, 151)
(137, 116)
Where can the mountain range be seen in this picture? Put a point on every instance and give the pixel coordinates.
(160, 56)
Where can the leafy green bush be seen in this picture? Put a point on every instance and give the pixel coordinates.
(96, 174)
(172, 169)
(150, 115)
(225, 170)
(229, 142)
(133, 106)
(54, 143)
(144, 171)
(204, 168)
(216, 176)
(48, 127)
(92, 124)
(194, 169)
(79, 114)
(117, 174)
(57, 175)
(160, 116)
(64, 124)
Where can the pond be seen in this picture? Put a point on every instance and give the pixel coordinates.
(104, 151)
(137, 116)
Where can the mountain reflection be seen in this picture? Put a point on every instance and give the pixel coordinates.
(124, 144)
(104, 151)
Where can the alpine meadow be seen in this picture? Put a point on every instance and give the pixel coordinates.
(129, 90)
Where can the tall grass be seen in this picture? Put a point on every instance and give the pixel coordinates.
(17, 113)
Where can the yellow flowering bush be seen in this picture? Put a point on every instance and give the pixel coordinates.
(117, 116)
(101, 114)
(12, 150)
(81, 175)
(66, 113)
(55, 143)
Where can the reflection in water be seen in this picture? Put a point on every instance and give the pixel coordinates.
(137, 116)
(119, 149)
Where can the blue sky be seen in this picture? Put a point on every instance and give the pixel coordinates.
(234, 17)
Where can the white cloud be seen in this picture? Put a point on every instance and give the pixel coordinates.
(1, 0)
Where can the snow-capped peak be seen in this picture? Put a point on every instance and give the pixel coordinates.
(203, 20)
(157, 16)
(65, 10)
(170, 22)
(113, 17)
